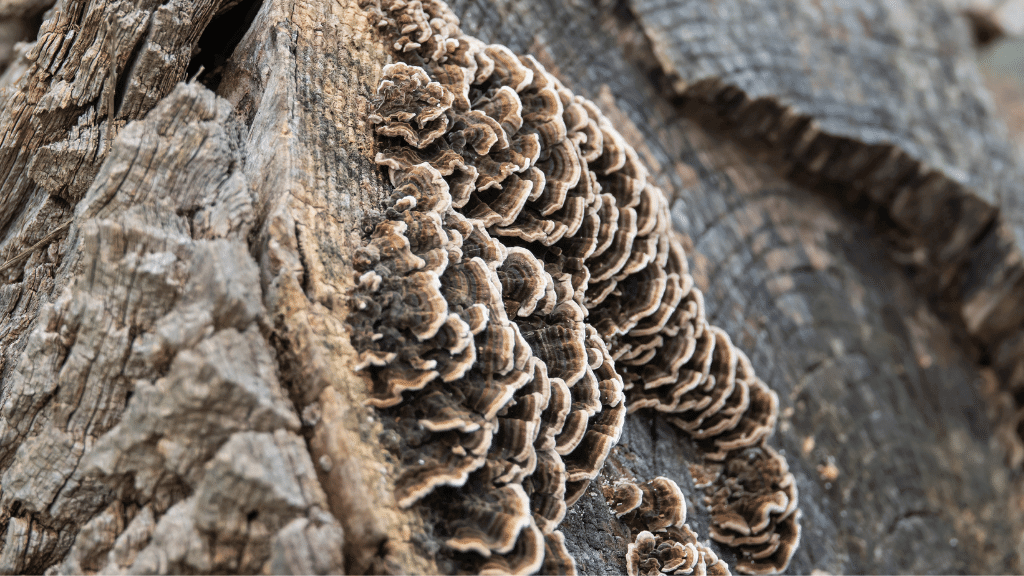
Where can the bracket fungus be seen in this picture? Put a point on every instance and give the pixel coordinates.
(676, 552)
(753, 502)
(522, 290)
(655, 512)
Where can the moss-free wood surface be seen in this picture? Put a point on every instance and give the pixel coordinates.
(176, 391)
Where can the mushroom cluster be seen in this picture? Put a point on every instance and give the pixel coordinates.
(753, 503)
(521, 287)
(655, 512)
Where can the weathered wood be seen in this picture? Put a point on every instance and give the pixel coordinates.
(804, 284)
(176, 377)
(303, 78)
(947, 196)
(18, 24)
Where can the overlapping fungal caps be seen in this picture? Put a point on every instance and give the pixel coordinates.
(655, 505)
(753, 503)
(677, 551)
(655, 512)
(521, 288)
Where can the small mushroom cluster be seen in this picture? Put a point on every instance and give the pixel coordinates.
(753, 503)
(521, 288)
(655, 512)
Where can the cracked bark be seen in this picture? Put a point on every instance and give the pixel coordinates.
(176, 392)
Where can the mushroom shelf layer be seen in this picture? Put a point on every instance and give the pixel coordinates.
(655, 511)
(520, 292)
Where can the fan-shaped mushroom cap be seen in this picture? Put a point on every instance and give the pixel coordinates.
(572, 432)
(575, 114)
(422, 309)
(546, 488)
(425, 26)
(556, 558)
(489, 521)
(613, 152)
(757, 422)
(487, 394)
(508, 69)
(523, 280)
(591, 140)
(677, 558)
(425, 231)
(440, 412)
(614, 258)
(711, 395)
(456, 80)
(650, 210)
(469, 283)
(438, 155)
(393, 380)
(438, 459)
(425, 184)
(655, 322)
(562, 171)
(554, 417)
(512, 457)
(410, 105)
(494, 206)
(773, 558)
(586, 460)
(561, 348)
(663, 505)
(638, 296)
(477, 242)
(389, 243)
(475, 131)
(541, 106)
(736, 405)
(504, 105)
(495, 347)
(525, 558)
(625, 189)
(624, 497)
(655, 505)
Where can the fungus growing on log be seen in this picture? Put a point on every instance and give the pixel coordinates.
(677, 552)
(655, 512)
(654, 505)
(753, 502)
(521, 291)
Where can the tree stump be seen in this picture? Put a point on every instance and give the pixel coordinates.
(184, 186)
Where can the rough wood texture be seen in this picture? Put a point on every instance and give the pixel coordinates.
(944, 187)
(176, 385)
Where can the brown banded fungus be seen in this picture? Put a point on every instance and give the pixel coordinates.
(676, 552)
(521, 291)
(655, 512)
(655, 505)
(752, 498)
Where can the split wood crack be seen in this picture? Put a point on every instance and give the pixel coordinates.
(11, 262)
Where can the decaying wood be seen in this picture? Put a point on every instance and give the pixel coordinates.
(176, 383)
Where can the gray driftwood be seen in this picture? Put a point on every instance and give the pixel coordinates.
(176, 384)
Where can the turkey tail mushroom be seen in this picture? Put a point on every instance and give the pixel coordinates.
(655, 511)
(522, 290)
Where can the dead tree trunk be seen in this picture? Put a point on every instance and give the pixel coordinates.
(178, 391)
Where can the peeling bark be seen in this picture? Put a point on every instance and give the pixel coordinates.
(177, 392)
